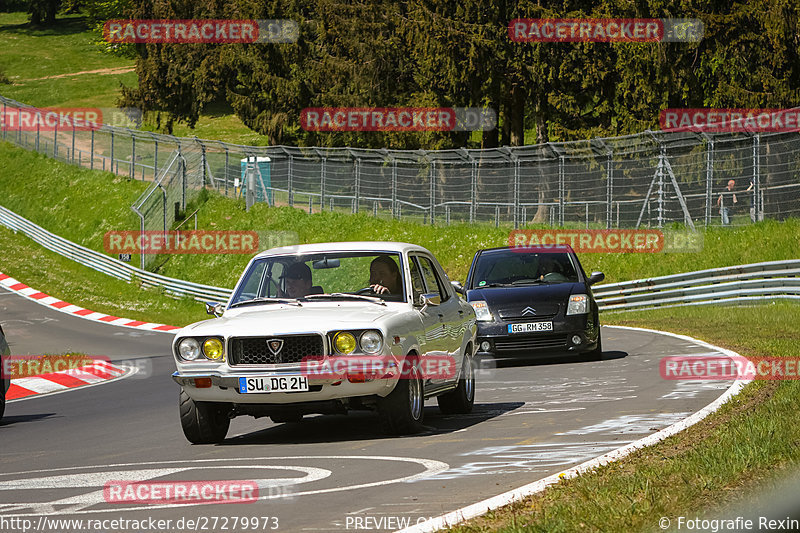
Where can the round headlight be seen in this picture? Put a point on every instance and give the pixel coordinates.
(344, 342)
(212, 349)
(371, 341)
(189, 349)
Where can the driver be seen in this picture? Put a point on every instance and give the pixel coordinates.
(548, 265)
(384, 276)
(298, 280)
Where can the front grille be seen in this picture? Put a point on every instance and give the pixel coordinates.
(541, 311)
(539, 342)
(255, 351)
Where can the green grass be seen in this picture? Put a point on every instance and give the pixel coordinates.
(749, 442)
(58, 276)
(33, 53)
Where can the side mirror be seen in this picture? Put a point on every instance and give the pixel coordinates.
(458, 287)
(215, 308)
(596, 277)
(429, 299)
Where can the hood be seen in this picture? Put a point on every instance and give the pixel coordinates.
(276, 319)
(542, 294)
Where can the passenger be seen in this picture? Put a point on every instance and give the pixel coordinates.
(298, 280)
(384, 276)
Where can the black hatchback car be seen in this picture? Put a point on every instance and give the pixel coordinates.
(533, 302)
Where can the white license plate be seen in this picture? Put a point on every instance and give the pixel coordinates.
(529, 327)
(256, 385)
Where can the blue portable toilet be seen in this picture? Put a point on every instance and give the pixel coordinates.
(263, 164)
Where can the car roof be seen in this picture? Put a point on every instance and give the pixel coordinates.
(354, 246)
(522, 249)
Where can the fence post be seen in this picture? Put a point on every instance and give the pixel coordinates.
(756, 197)
(111, 163)
(516, 190)
(660, 172)
(709, 177)
(290, 180)
(432, 177)
(496, 216)
(55, 141)
(561, 187)
(131, 173)
(72, 154)
(322, 184)
(4, 115)
(474, 177)
(226, 170)
(394, 188)
(587, 214)
(609, 190)
(155, 159)
(357, 198)
(37, 136)
(91, 163)
(203, 161)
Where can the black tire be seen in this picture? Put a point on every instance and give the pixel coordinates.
(203, 422)
(403, 410)
(287, 418)
(2, 400)
(462, 398)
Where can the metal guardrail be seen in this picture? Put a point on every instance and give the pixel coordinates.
(744, 283)
(108, 265)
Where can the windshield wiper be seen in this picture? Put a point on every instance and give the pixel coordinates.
(266, 299)
(528, 281)
(373, 299)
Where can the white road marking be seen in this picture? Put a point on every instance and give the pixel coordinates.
(80, 503)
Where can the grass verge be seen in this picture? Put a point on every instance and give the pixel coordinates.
(750, 441)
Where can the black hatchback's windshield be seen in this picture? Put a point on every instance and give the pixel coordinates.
(322, 276)
(508, 268)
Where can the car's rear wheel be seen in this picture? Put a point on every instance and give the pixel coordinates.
(462, 398)
(2, 399)
(402, 411)
(203, 422)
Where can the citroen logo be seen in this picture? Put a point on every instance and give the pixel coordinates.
(529, 311)
(275, 345)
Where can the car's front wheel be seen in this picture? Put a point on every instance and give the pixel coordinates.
(462, 398)
(402, 410)
(203, 422)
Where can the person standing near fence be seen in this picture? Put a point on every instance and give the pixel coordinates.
(727, 202)
(752, 190)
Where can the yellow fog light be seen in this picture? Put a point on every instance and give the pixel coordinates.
(212, 349)
(344, 342)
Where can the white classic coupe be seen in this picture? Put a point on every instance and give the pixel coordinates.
(326, 328)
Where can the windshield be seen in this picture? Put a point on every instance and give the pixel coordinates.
(508, 268)
(340, 275)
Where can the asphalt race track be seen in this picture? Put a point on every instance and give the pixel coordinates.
(327, 473)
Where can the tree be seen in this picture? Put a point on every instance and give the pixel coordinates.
(43, 12)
